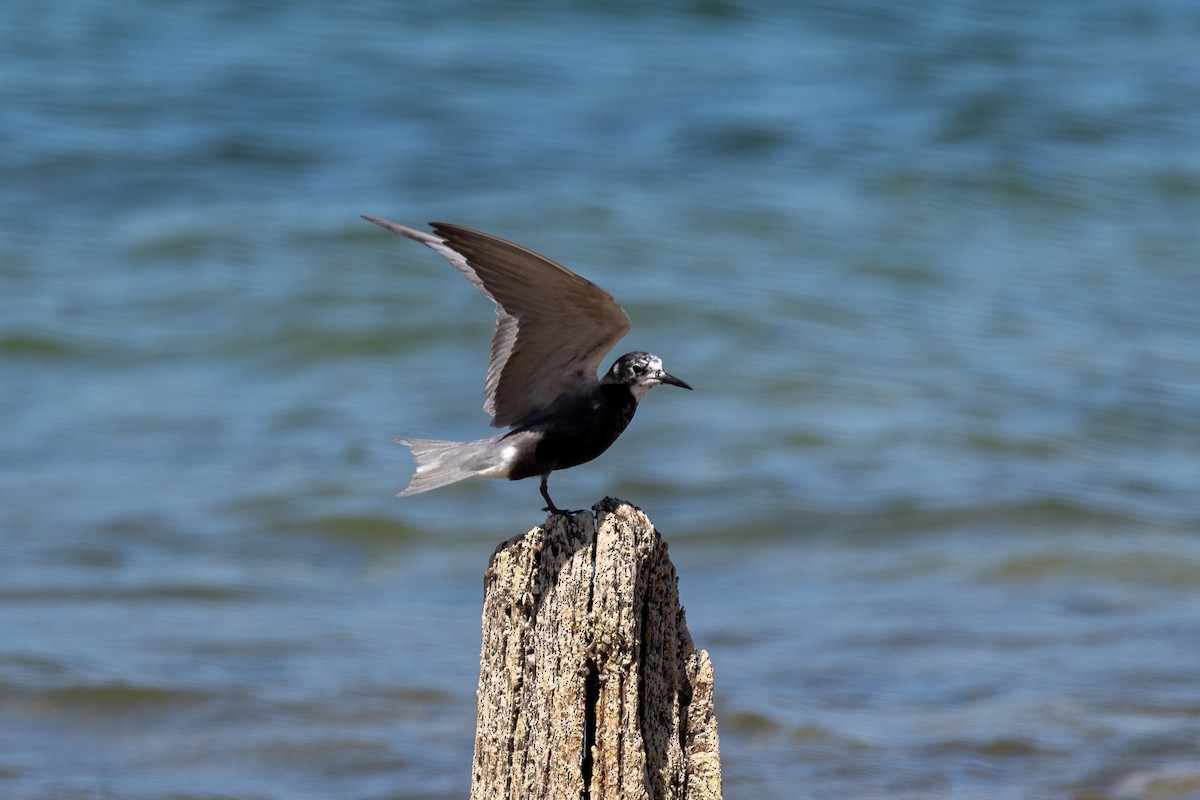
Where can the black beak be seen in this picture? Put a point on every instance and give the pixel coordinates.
(671, 379)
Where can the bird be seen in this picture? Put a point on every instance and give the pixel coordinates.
(553, 329)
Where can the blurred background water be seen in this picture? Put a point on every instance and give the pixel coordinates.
(931, 268)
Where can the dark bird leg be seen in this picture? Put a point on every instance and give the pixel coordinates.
(553, 509)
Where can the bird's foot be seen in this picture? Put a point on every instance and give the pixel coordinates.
(557, 510)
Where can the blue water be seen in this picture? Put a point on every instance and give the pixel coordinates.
(931, 268)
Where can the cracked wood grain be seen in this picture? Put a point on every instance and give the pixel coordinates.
(589, 683)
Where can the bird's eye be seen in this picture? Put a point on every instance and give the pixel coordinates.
(639, 369)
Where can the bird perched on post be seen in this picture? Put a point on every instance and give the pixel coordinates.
(553, 328)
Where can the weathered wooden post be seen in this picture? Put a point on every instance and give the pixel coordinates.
(589, 683)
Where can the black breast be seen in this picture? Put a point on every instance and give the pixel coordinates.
(577, 429)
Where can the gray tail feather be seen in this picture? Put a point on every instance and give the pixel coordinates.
(440, 463)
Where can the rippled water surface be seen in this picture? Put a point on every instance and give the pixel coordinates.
(931, 268)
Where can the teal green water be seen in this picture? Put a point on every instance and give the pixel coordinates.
(932, 270)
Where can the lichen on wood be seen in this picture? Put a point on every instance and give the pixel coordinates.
(590, 685)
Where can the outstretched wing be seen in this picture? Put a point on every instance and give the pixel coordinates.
(553, 327)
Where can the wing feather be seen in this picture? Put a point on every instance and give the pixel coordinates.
(553, 327)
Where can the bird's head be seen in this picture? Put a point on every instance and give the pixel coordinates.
(639, 371)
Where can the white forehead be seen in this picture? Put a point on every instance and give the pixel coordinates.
(652, 361)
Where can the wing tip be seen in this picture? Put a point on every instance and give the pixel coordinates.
(403, 230)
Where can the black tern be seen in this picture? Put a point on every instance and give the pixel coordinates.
(552, 330)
